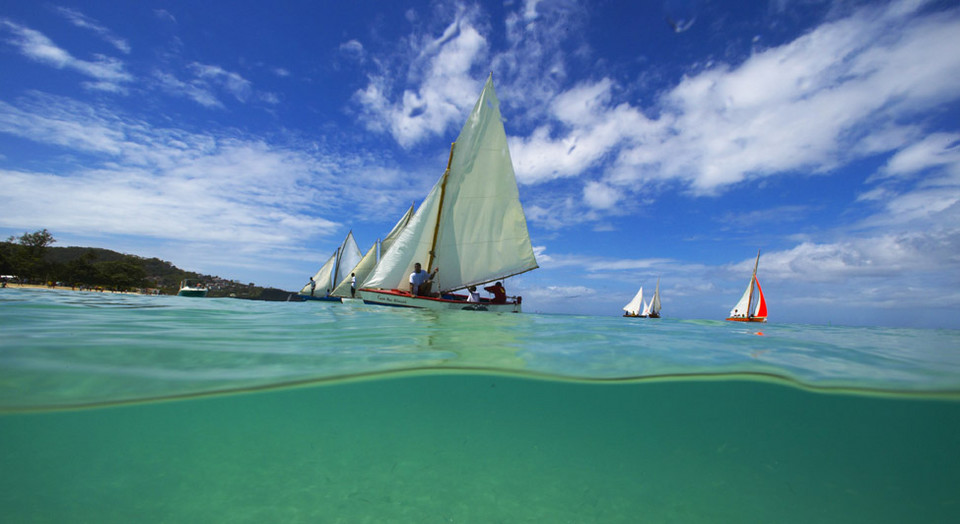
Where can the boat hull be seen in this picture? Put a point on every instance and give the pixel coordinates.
(321, 299)
(192, 293)
(396, 298)
(747, 319)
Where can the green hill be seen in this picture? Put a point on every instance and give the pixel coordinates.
(91, 267)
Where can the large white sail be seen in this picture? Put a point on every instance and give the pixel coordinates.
(743, 306)
(350, 256)
(633, 307)
(411, 246)
(361, 270)
(471, 225)
(322, 281)
(395, 232)
(742, 309)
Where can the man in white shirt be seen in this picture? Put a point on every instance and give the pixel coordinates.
(420, 280)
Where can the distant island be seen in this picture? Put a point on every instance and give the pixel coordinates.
(30, 259)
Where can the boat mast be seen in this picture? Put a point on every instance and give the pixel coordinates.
(436, 228)
(753, 279)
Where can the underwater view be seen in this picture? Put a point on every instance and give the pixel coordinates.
(120, 408)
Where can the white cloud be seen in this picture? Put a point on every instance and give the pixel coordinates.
(207, 81)
(231, 194)
(600, 196)
(108, 72)
(81, 20)
(445, 91)
(231, 82)
(934, 150)
(353, 49)
(832, 96)
(199, 92)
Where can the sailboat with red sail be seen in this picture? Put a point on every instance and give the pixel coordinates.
(752, 307)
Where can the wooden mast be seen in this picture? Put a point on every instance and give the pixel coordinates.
(436, 227)
(753, 281)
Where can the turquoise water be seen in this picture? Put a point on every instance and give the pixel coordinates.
(401, 415)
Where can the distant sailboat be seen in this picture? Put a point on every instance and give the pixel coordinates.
(639, 309)
(652, 310)
(355, 276)
(331, 273)
(471, 225)
(634, 307)
(742, 311)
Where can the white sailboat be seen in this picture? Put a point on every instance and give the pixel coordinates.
(652, 310)
(332, 271)
(633, 308)
(354, 278)
(471, 225)
(637, 308)
(742, 311)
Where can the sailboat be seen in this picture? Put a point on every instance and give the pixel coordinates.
(332, 271)
(637, 308)
(633, 308)
(751, 301)
(470, 227)
(652, 310)
(358, 273)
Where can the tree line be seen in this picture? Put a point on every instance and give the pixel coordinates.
(31, 260)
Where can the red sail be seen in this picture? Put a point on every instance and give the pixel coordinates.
(761, 303)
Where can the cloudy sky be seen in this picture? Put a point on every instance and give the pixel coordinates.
(672, 138)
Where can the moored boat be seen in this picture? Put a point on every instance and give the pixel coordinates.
(192, 288)
(471, 225)
(752, 307)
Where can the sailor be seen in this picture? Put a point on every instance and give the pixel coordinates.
(420, 280)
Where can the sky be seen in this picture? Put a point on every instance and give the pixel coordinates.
(669, 139)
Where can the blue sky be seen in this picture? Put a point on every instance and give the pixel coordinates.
(670, 138)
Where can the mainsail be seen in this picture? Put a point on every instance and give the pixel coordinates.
(395, 232)
(471, 225)
(633, 307)
(360, 271)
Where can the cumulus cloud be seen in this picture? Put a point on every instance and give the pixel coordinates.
(444, 93)
(815, 104)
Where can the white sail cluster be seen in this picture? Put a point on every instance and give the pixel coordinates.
(471, 225)
(337, 274)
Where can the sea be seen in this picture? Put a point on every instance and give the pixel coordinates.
(129, 408)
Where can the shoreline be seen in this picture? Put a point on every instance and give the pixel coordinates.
(14, 285)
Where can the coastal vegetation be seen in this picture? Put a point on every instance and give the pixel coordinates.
(31, 259)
